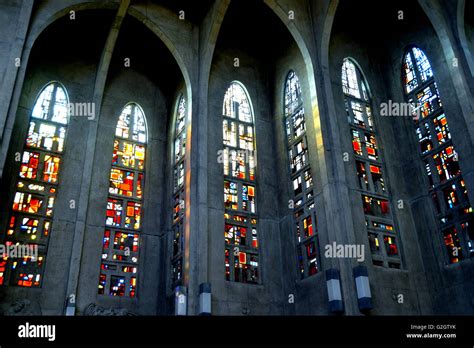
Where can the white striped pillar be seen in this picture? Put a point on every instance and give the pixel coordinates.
(363, 288)
(205, 299)
(333, 282)
(180, 301)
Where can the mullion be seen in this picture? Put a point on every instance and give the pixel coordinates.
(364, 104)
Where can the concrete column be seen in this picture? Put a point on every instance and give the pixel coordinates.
(11, 83)
(196, 252)
(83, 205)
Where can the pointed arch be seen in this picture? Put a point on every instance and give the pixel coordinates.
(446, 184)
(383, 238)
(464, 38)
(237, 95)
(301, 178)
(416, 69)
(293, 97)
(132, 124)
(121, 241)
(240, 204)
(32, 211)
(353, 80)
(54, 94)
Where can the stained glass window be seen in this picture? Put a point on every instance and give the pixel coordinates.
(121, 241)
(32, 207)
(179, 149)
(369, 168)
(240, 204)
(301, 179)
(441, 161)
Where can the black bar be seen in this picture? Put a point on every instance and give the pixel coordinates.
(134, 330)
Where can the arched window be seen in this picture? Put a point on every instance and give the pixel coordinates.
(121, 242)
(440, 159)
(383, 238)
(179, 152)
(301, 179)
(31, 215)
(238, 157)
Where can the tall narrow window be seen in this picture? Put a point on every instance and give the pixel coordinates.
(31, 213)
(301, 179)
(240, 204)
(383, 238)
(447, 187)
(121, 242)
(179, 152)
